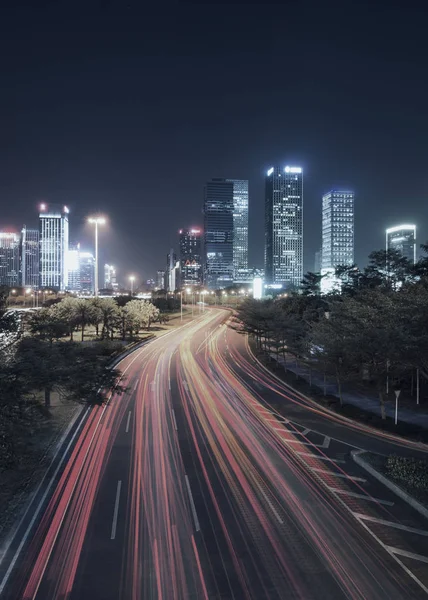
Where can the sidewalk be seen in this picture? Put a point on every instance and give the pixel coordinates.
(370, 403)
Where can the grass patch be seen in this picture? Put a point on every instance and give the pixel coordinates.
(410, 474)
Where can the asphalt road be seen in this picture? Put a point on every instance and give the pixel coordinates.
(190, 486)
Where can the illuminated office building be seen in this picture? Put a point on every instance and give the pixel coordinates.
(30, 258)
(87, 273)
(403, 239)
(74, 267)
(240, 229)
(53, 232)
(191, 256)
(284, 226)
(218, 226)
(9, 258)
(337, 229)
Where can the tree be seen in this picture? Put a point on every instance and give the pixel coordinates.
(48, 325)
(74, 371)
(311, 284)
(387, 268)
(110, 316)
(375, 336)
(66, 311)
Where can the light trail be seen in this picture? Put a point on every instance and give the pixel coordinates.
(215, 497)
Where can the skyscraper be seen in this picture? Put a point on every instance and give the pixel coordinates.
(87, 272)
(74, 267)
(337, 229)
(191, 256)
(53, 220)
(110, 281)
(284, 226)
(9, 258)
(160, 280)
(172, 273)
(403, 239)
(30, 258)
(240, 229)
(218, 224)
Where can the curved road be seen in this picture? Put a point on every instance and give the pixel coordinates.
(190, 486)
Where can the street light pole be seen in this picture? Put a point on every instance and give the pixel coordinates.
(132, 279)
(181, 306)
(96, 221)
(397, 394)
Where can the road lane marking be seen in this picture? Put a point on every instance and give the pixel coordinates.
(401, 552)
(342, 475)
(169, 383)
(319, 457)
(271, 506)
(362, 496)
(153, 385)
(192, 505)
(173, 418)
(127, 422)
(116, 511)
(391, 524)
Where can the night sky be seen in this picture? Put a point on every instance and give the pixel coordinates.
(127, 110)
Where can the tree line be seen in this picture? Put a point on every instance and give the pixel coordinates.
(46, 361)
(374, 328)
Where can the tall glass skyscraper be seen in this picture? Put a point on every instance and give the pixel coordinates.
(30, 258)
(240, 229)
(191, 256)
(284, 226)
(218, 225)
(337, 229)
(9, 258)
(403, 239)
(53, 221)
(87, 272)
(74, 267)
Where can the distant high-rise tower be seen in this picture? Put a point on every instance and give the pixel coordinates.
(53, 220)
(403, 239)
(74, 267)
(284, 226)
(30, 258)
(191, 256)
(110, 282)
(218, 223)
(9, 258)
(87, 272)
(160, 280)
(240, 229)
(337, 229)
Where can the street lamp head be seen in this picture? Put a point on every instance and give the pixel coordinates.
(97, 220)
(188, 290)
(131, 278)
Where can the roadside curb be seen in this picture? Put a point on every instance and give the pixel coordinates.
(356, 457)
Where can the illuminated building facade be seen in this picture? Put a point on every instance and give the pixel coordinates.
(403, 239)
(87, 273)
(53, 233)
(191, 256)
(337, 229)
(30, 258)
(240, 229)
(74, 267)
(9, 258)
(218, 225)
(110, 279)
(284, 226)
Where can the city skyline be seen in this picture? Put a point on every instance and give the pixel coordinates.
(110, 155)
